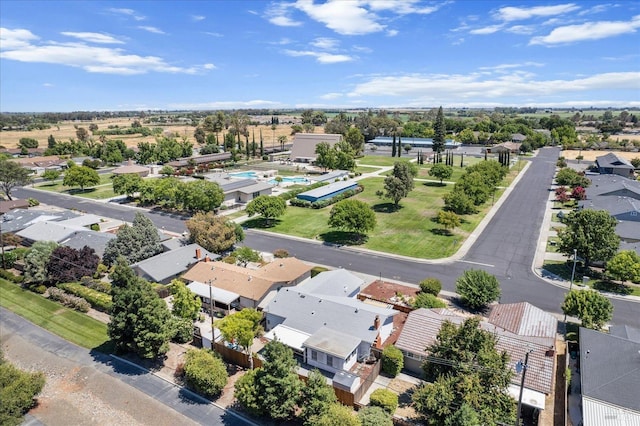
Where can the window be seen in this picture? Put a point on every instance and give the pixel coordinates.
(256, 194)
(330, 360)
(314, 355)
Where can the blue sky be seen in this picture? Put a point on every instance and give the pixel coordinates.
(93, 55)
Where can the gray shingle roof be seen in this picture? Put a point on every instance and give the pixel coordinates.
(333, 283)
(171, 263)
(612, 160)
(48, 231)
(332, 342)
(18, 219)
(96, 240)
(328, 189)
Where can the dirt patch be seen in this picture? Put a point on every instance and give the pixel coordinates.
(591, 155)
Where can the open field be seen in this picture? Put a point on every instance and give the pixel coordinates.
(71, 325)
(591, 155)
(99, 192)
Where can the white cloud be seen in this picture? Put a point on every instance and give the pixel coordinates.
(588, 31)
(596, 9)
(151, 29)
(343, 17)
(512, 66)
(213, 34)
(93, 37)
(127, 12)
(392, 33)
(257, 103)
(403, 7)
(322, 57)
(522, 13)
(333, 95)
(325, 43)
(479, 87)
(486, 30)
(284, 21)
(521, 29)
(363, 49)
(198, 18)
(21, 46)
(279, 14)
(282, 42)
(47, 85)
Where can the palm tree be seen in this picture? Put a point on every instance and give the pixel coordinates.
(282, 139)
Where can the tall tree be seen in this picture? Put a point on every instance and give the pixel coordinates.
(35, 262)
(67, 264)
(325, 156)
(242, 327)
(12, 174)
(439, 132)
(81, 176)
(215, 233)
(136, 242)
(356, 139)
(128, 184)
(352, 215)
(201, 195)
(393, 146)
(400, 182)
(317, 397)
(465, 368)
(186, 304)
(592, 233)
(592, 308)
(477, 288)
(266, 206)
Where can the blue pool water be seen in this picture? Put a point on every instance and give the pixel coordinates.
(290, 179)
(250, 175)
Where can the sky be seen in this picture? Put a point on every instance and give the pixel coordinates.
(210, 55)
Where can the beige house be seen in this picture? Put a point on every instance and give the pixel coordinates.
(304, 145)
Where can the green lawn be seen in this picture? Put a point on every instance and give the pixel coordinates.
(71, 325)
(423, 170)
(103, 190)
(564, 270)
(365, 169)
(377, 160)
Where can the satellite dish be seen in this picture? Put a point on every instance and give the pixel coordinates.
(519, 366)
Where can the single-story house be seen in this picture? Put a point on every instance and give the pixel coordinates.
(518, 328)
(19, 219)
(304, 145)
(512, 147)
(49, 231)
(240, 190)
(164, 267)
(337, 282)
(612, 186)
(612, 164)
(253, 285)
(328, 191)
(609, 376)
(330, 177)
(17, 152)
(518, 138)
(39, 164)
(96, 240)
(220, 157)
(131, 168)
(210, 295)
(6, 206)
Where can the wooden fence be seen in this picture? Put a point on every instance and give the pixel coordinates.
(235, 357)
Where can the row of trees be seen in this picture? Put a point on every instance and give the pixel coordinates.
(475, 187)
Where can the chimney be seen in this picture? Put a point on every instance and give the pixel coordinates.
(198, 254)
(206, 258)
(376, 322)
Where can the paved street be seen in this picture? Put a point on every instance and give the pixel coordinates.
(506, 247)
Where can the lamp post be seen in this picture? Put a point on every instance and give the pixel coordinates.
(522, 367)
(573, 273)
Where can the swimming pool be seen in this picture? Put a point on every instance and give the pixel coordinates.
(296, 179)
(249, 174)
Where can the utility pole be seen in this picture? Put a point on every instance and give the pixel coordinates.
(4, 265)
(573, 273)
(523, 368)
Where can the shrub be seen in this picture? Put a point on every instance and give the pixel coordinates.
(95, 227)
(231, 260)
(17, 392)
(98, 300)
(477, 288)
(316, 270)
(280, 253)
(431, 286)
(204, 372)
(7, 275)
(9, 259)
(33, 202)
(384, 399)
(427, 301)
(68, 300)
(182, 329)
(374, 416)
(392, 361)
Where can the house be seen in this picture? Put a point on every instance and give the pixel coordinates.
(518, 327)
(239, 190)
(612, 186)
(164, 267)
(304, 145)
(131, 168)
(609, 376)
(218, 158)
(6, 206)
(19, 219)
(612, 164)
(252, 285)
(39, 164)
(338, 282)
(96, 240)
(518, 138)
(328, 191)
(512, 147)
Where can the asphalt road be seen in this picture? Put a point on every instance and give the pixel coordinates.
(506, 248)
(163, 392)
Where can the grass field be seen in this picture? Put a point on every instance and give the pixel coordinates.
(563, 270)
(71, 325)
(99, 192)
(378, 160)
(423, 170)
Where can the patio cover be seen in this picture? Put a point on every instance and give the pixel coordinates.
(218, 294)
(289, 336)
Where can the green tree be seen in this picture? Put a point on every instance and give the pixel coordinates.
(477, 288)
(204, 372)
(267, 207)
(167, 171)
(458, 201)
(242, 327)
(27, 143)
(186, 304)
(431, 286)
(35, 262)
(127, 183)
(449, 220)
(467, 136)
(464, 416)
(345, 156)
(215, 233)
(476, 186)
(325, 156)
(200, 135)
(18, 390)
(140, 320)
(392, 360)
(400, 182)
(427, 301)
(51, 175)
(246, 392)
(441, 171)
(246, 254)
(353, 216)
(12, 174)
(81, 176)
(201, 195)
(569, 177)
(385, 399)
(317, 397)
(440, 131)
(592, 308)
(473, 372)
(624, 266)
(374, 416)
(137, 242)
(355, 139)
(592, 233)
(337, 414)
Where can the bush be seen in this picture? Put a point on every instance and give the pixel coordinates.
(95, 227)
(33, 202)
(17, 392)
(374, 416)
(231, 260)
(98, 299)
(431, 286)
(182, 329)
(204, 372)
(9, 259)
(477, 288)
(68, 300)
(96, 284)
(280, 253)
(292, 193)
(316, 270)
(384, 399)
(392, 361)
(7, 275)
(427, 301)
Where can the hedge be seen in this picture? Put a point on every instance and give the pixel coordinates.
(385, 399)
(8, 275)
(68, 300)
(97, 299)
(392, 361)
(292, 193)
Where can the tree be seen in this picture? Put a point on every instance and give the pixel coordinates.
(215, 233)
(476, 186)
(201, 195)
(624, 266)
(439, 132)
(345, 156)
(473, 372)
(464, 416)
(441, 171)
(337, 414)
(245, 254)
(400, 182)
(407, 147)
(578, 193)
(477, 288)
(140, 320)
(200, 135)
(204, 372)
(127, 183)
(430, 285)
(355, 139)
(137, 242)
(325, 156)
(35, 262)
(449, 220)
(167, 170)
(82, 134)
(186, 304)
(374, 416)
(246, 392)
(570, 177)
(267, 207)
(27, 143)
(67, 264)
(241, 328)
(592, 233)
(353, 216)
(317, 397)
(392, 361)
(458, 201)
(18, 390)
(427, 301)
(12, 174)
(50, 175)
(81, 176)
(592, 308)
